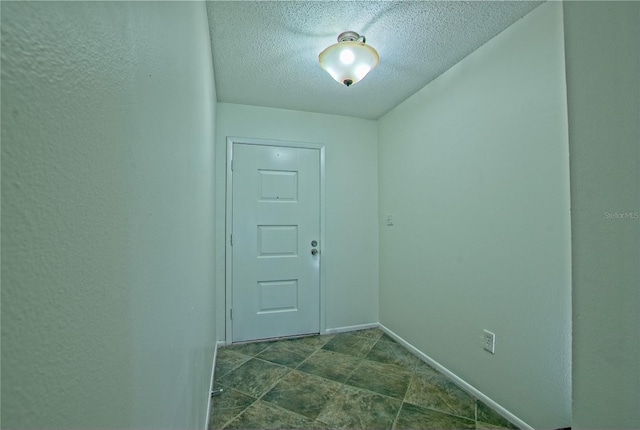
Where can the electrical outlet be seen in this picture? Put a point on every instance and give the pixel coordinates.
(489, 341)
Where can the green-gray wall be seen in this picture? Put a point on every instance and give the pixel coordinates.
(474, 169)
(107, 207)
(603, 82)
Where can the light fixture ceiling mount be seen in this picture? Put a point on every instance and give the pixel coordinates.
(349, 60)
(350, 36)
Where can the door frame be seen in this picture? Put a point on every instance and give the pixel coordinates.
(229, 223)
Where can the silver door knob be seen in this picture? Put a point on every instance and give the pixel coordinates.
(314, 251)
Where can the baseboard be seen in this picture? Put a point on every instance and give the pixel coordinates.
(350, 328)
(457, 380)
(213, 370)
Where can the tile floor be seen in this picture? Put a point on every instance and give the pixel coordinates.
(361, 379)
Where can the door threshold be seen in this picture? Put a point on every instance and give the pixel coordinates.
(274, 339)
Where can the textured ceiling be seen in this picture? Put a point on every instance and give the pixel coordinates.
(265, 53)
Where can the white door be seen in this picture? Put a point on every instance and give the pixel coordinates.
(275, 241)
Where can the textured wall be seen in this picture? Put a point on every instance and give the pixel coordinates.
(107, 202)
(603, 66)
(475, 169)
(350, 251)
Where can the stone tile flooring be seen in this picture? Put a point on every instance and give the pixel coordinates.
(361, 379)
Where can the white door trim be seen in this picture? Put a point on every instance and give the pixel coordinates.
(229, 223)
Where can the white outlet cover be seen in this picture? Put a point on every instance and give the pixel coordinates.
(489, 341)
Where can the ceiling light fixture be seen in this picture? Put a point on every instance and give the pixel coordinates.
(349, 60)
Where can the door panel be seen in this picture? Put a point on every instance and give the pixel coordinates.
(276, 216)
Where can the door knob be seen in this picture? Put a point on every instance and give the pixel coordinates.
(314, 251)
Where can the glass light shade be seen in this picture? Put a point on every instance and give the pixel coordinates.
(349, 62)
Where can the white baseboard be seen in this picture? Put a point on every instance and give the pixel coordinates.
(213, 370)
(458, 381)
(350, 328)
